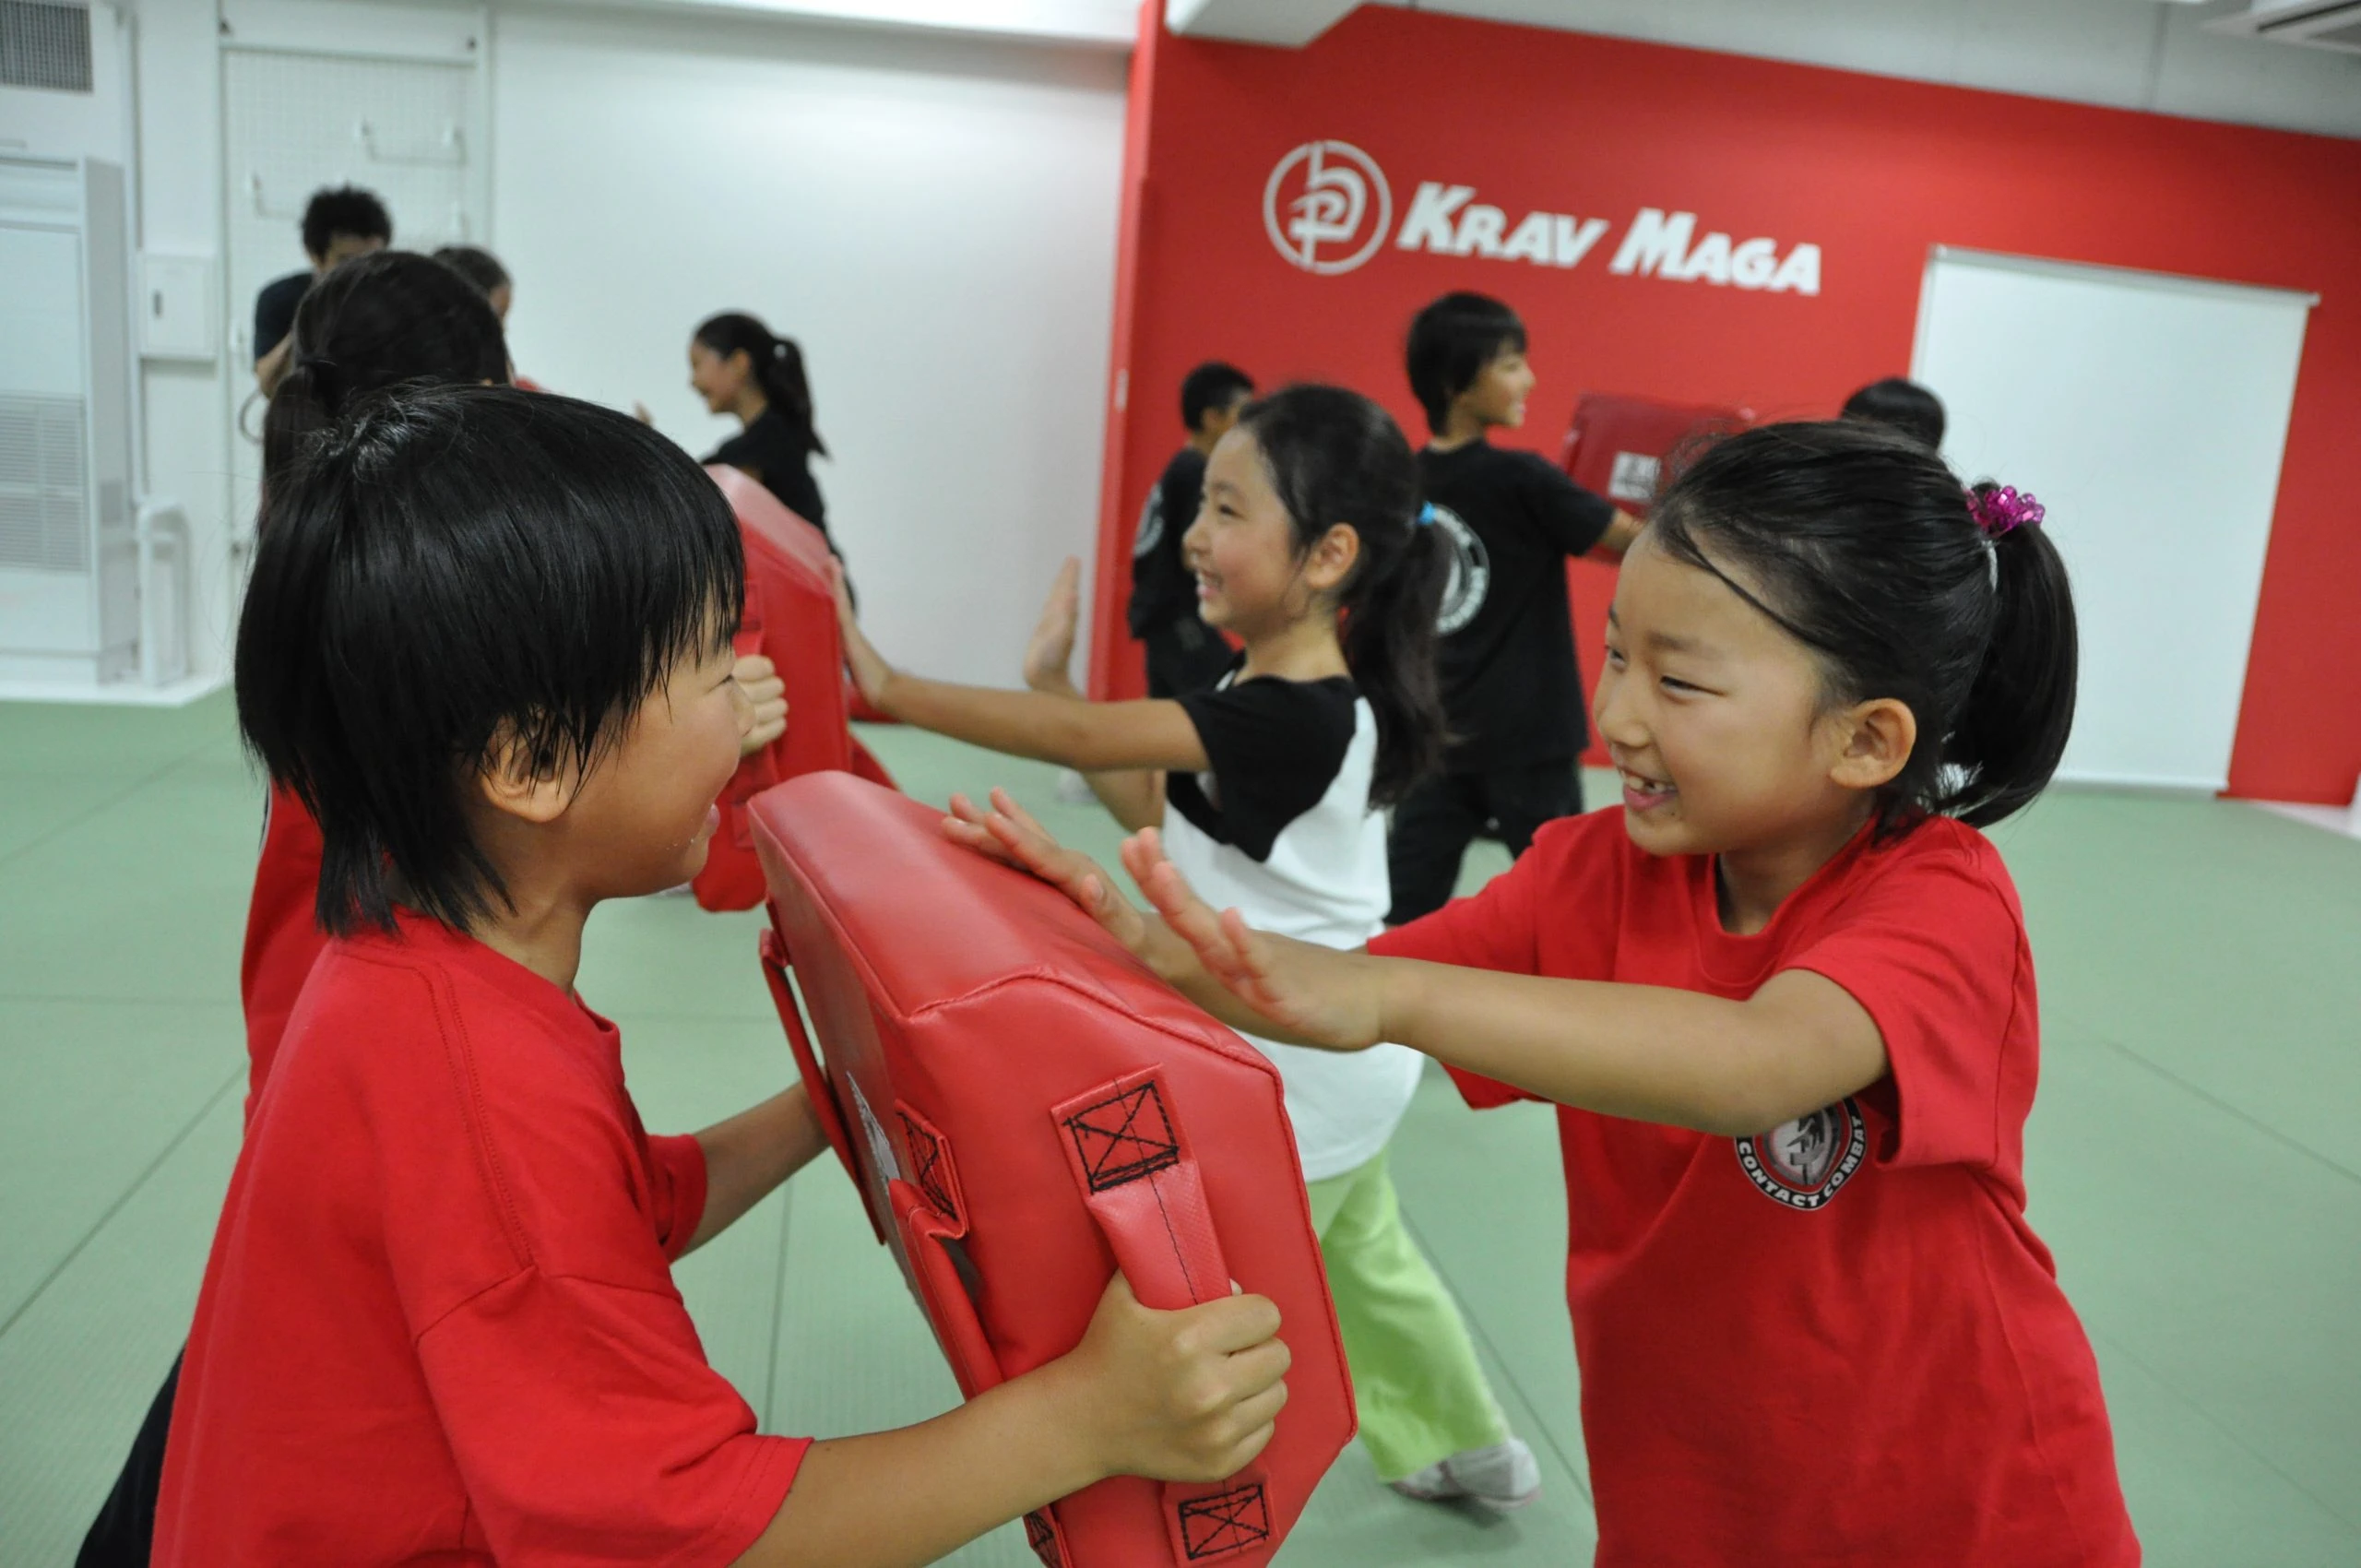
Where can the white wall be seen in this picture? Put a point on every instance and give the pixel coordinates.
(180, 189)
(933, 220)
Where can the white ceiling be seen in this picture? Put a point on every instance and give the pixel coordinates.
(2122, 53)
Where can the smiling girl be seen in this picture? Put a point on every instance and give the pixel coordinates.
(1308, 549)
(1784, 1001)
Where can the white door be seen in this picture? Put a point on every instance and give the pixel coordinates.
(2148, 413)
(396, 108)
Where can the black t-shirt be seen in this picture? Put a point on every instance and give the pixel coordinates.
(1276, 746)
(775, 452)
(1163, 589)
(1511, 687)
(275, 310)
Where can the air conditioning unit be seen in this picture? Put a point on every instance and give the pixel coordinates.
(2314, 24)
(69, 542)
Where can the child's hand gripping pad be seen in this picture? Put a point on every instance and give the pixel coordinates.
(1025, 1109)
(789, 617)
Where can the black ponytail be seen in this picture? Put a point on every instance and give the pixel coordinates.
(1334, 457)
(378, 320)
(2007, 741)
(1861, 544)
(778, 369)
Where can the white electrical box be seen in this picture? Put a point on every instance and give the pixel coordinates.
(175, 310)
(69, 553)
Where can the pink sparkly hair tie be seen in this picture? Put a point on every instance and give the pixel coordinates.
(2004, 510)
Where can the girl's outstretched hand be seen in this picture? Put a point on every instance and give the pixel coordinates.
(867, 668)
(1008, 833)
(1049, 651)
(1315, 996)
(766, 695)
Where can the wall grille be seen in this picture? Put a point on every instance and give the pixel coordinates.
(43, 45)
(44, 513)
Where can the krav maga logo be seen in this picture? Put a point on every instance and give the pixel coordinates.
(1327, 207)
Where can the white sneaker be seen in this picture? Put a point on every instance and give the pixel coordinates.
(1504, 1475)
(1074, 789)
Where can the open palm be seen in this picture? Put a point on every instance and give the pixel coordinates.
(1049, 652)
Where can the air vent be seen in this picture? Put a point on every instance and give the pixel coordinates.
(43, 516)
(2314, 24)
(45, 46)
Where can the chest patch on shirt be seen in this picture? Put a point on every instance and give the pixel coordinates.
(1471, 574)
(1803, 1163)
(1151, 532)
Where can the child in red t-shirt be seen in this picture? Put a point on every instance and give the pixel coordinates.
(1786, 1001)
(487, 644)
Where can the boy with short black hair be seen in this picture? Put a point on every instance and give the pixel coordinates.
(1185, 655)
(487, 643)
(1511, 687)
(338, 224)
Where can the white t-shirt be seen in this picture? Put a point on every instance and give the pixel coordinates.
(1280, 828)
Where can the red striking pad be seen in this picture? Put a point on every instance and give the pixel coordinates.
(1616, 446)
(789, 617)
(1023, 1109)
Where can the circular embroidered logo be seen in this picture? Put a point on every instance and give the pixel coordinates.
(1151, 532)
(1803, 1163)
(1471, 572)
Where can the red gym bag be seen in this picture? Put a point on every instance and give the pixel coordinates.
(790, 617)
(1025, 1109)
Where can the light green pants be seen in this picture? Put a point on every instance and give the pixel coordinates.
(1421, 1394)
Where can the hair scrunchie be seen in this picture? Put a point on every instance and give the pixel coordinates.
(2004, 509)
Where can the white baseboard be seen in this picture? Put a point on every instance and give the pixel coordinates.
(2343, 820)
(115, 693)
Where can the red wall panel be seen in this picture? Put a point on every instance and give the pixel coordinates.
(1873, 171)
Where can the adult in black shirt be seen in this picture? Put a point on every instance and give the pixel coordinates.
(739, 367)
(1183, 654)
(1512, 690)
(338, 224)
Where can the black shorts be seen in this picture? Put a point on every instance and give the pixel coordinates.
(1436, 821)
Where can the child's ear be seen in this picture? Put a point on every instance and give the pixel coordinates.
(1877, 738)
(1332, 557)
(509, 782)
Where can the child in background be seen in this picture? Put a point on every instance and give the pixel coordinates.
(487, 644)
(737, 367)
(1902, 405)
(1183, 653)
(1308, 548)
(339, 225)
(1510, 687)
(1787, 1003)
(483, 269)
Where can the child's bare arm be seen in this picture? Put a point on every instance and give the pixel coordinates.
(1132, 796)
(1049, 726)
(1622, 531)
(1185, 1395)
(1651, 1053)
(748, 1156)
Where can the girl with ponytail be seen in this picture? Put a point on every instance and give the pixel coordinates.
(1785, 999)
(1311, 550)
(739, 367)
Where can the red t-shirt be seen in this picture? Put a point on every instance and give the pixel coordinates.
(283, 935)
(439, 1319)
(1838, 1342)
